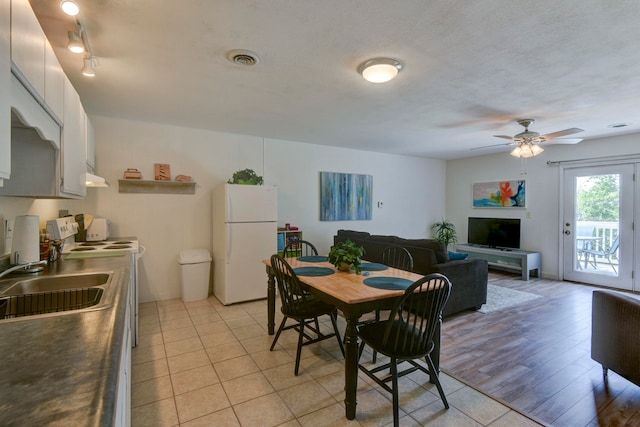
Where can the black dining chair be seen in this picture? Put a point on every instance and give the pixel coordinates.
(407, 335)
(304, 308)
(396, 257)
(299, 248)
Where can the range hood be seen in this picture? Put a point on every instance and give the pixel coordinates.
(96, 181)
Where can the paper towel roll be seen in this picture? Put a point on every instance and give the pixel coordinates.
(26, 239)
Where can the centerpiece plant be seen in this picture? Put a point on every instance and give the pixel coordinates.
(346, 256)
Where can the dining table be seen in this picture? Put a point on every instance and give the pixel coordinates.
(354, 295)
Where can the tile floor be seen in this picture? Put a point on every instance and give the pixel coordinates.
(204, 364)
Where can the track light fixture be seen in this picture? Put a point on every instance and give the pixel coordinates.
(79, 39)
(88, 68)
(70, 7)
(75, 44)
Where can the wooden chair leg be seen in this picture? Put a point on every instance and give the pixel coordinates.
(275, 339)
(435, 376)
(333, 317)
(394, 387)
(299, 350)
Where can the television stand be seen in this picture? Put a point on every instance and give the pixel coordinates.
(507, 259)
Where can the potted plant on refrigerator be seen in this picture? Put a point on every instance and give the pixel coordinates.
(246, 177)
(346, 256)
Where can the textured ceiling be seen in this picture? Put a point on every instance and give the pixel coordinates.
(471, 68)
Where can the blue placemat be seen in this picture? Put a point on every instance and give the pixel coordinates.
(313, 258)
(391, 283)
(313, 271)
(372, 266)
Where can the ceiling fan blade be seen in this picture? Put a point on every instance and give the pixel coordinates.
(504, 136)
(562, 133)
(491, 146)
(558, 141)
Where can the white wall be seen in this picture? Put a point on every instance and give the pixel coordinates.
(540, 220)
(411, 189)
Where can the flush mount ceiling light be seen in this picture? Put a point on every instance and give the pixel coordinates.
(75, 44)
(380, 70)
(69, 7)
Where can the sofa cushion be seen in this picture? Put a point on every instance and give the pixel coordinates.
(383, 239)
(350, 234)
(457, 255)
(437, 247)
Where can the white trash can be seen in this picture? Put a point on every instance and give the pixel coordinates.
(195, 265)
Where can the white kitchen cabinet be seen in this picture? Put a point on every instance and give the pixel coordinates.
(28, 47)
(5, 88)
(74, 148)
(91, 145)
(53, 83)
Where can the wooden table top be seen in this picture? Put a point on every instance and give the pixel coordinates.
(349, 287)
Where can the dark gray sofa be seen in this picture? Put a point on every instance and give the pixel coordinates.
(468, 277)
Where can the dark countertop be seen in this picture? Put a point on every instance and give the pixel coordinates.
(63, 368)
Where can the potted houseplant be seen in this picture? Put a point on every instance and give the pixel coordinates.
(445, 232)
(346, 256)
(245, 177)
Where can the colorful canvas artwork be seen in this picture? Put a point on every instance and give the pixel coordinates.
(499, 194)
(345, 196)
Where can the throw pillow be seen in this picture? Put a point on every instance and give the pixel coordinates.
(457, 255)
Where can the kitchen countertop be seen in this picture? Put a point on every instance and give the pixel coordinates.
(63, 368)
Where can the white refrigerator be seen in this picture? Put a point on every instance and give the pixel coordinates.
(244, 233)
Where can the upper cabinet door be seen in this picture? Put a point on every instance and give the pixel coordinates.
(27, 46)
(53, 83)
(74, 145)
(5, 88)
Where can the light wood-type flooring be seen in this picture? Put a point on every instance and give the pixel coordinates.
(536, 357)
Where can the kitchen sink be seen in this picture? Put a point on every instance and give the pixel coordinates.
(54, 294)
(56, 283)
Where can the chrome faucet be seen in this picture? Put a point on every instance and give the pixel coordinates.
(28, 265)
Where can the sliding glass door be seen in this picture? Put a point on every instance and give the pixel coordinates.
(598, 237)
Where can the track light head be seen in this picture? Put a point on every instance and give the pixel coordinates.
(75, 44)
(88, 68)
(70, 7)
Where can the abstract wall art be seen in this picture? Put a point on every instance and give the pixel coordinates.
(345, 196)
(499, 194)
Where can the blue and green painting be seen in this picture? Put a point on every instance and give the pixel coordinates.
(345, 196)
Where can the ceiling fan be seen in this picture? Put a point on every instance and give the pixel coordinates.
(528, 142)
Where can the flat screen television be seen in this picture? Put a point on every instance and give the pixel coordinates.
(494, 232)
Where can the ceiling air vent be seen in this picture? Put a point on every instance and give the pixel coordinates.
(243, 57)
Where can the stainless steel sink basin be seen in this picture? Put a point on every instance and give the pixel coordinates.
(54, 294)
(56, 283)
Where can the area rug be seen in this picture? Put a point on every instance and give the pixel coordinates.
(500, 298)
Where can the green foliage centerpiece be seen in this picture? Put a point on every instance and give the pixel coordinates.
(346, 256)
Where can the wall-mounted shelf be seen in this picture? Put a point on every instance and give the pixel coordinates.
(159, 187)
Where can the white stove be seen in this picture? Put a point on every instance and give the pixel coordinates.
(108, 248)
(104, 247)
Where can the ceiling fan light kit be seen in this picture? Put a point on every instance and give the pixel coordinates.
(526, 150)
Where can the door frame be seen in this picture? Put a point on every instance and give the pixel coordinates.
(632, 244)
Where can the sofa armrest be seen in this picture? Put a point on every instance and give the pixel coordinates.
(615, 338)
(469, 279)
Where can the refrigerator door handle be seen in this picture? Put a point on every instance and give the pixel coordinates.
(228, 257)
